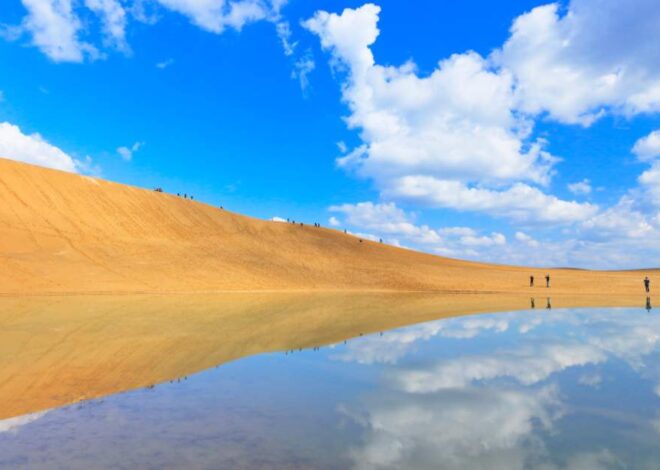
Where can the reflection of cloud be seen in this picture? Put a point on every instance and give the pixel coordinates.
(528, 365)
(13, 424)
(389, 347)
(603, 459)
(590, 380)
(487, 409)
(466, 428)
(393, 345)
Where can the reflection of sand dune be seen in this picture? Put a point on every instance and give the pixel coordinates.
(56, 350)
(63, 233)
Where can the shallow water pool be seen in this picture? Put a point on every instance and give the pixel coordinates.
(575, 388)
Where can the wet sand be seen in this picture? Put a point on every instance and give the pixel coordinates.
(56, 350)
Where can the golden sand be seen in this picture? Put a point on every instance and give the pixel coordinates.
(66, 233)
(57, 350)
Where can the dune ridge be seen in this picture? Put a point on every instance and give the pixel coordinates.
(66, 233)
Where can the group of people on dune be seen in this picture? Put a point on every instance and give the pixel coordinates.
(547, 281)
(647, 282)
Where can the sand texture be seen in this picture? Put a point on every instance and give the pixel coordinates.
(66, 233)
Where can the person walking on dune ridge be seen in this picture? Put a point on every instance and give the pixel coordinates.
(531, 281)
(547, 280)
(647, 284)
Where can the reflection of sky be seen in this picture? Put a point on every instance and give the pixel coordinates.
(543, 389)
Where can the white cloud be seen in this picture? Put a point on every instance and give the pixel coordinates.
(519, 202)
(596, 58)
(461, 137)
(34, 149)
(113, 17)
(393, 224)
(648, 148)
(217, 15)
(302, 68)
(526, 239)
(283, 30)
(127, 152)
(580, 187)
(277, 219)
(334, 222)
(165, 63)
(450, 139)
(55, 30)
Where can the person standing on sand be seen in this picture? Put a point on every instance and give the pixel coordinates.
(647, 284)
(531, 281)
(547, 280)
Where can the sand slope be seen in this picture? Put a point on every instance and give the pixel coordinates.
(65, 233)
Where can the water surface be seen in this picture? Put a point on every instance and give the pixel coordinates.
(547, 388)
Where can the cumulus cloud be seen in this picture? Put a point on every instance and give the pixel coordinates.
(33, 148)
(648, 148)
(127, 153)
(113, 18)
(217, 15)
(580, 187)
(277, 219)
(451, 139)
(56, 28)
(462, 136)
(595, 58)
(526, 239)
(519, 202)
(395, 224)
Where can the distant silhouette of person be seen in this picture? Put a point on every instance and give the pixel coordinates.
(647, 284)
(547, 280)
(531, 281)
(344, 230)
(648, 304)
(191, 197)
(532, 302)
(380, 240)
(548, 304)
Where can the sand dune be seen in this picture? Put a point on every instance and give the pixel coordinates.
(65, 233)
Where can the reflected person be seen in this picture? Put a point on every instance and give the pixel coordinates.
(548, 304)
(648, 304)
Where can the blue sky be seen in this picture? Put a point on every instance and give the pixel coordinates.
(505, 131)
